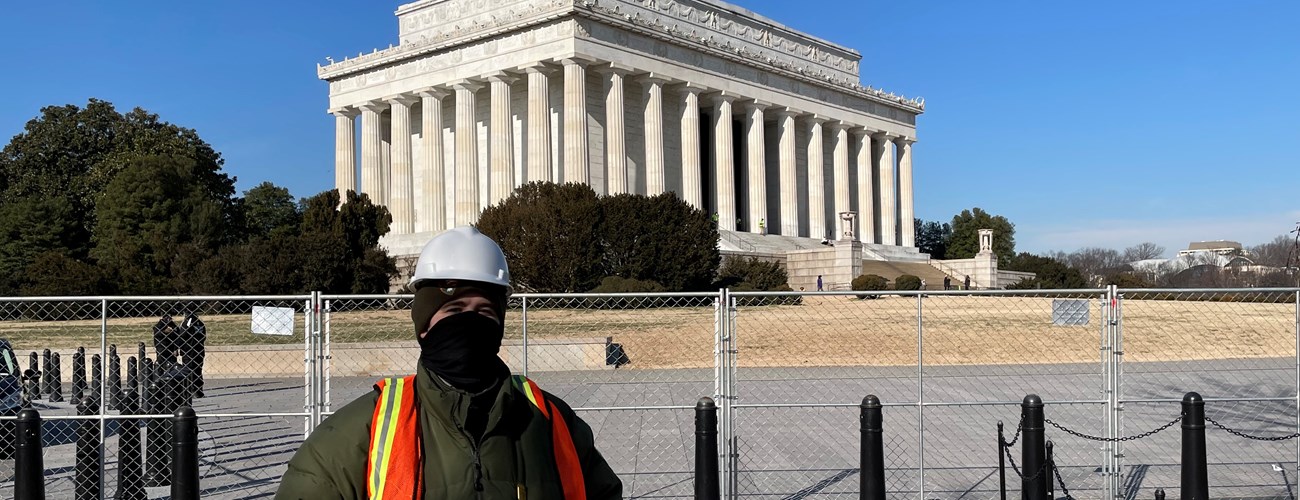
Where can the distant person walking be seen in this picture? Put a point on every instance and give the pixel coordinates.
(819, 282)
(762, 227)
(947, 282)
(967, 282)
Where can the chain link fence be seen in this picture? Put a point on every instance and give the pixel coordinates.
(788, 371)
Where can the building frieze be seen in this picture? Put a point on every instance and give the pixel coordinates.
(427, 28)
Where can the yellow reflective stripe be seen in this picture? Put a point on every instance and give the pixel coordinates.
(382, 442)
(391, 435)
(528, 391)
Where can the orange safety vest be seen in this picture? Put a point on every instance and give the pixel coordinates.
(394, 463)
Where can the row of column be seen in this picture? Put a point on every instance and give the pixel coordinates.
(392, 186)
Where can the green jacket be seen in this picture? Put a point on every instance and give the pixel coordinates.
(331, 464)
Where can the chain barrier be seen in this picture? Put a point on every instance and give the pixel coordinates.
(1114, 439)
(1016, 468)
(1248, 436)
(1057, 471)
(1019, 425)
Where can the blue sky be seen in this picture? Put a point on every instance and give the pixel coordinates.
(1101, 123)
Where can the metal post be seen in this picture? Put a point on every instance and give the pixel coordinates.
(872, 449)
(1049, 464)
(1002, 464)
(29, 466)
(706, 450)
(113, 396)
(1032, 486)
(130, 480)
(1297, 381)
(96, 377)
(920, 393)
(56, 379)
(87, 483)
(78, 376)
(524, 306)
(185, 455)
(730, 447)
(1195, 480)
(1117, 356)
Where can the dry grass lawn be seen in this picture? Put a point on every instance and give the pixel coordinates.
(822, 331)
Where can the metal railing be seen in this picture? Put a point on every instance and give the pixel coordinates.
(786, 370)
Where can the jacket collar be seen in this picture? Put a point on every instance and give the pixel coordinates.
(450, 405)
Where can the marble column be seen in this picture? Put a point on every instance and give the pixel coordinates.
(756, 165)
(615, 131)
(692, 184)
(724, 162)
(539, 124)
(841, 175)
(433, 189)
(401, 195)
(467, 202)
(501, 132)
(885, 165)
(577, 166)
(345, 151)
(372, 140)
(656, 178)
(816, 179)
(907, 231)
(788, 166)
(866, 191)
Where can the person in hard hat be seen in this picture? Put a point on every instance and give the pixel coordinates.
(461, 426)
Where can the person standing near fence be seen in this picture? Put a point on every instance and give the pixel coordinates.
(462, 426)
(165, 346)
(819, 282)
(193, 348)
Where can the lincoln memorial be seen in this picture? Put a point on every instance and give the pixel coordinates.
(733, 112)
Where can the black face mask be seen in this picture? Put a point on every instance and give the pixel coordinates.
(462, 349)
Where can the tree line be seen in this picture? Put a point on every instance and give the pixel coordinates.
(95, 201)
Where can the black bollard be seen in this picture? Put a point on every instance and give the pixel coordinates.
(185, 454)
(96, 376)
(130, 483)
(87, 470)
(158, 440)
(78, 376)
(46, 386)
(872, 449)
(114, 380)
(1034, 485)
(146, 380)
(1160, 494)
(706, 450)
(29, 466)
(1002, 463)
(1051, 491)
(132, 382)
(31, 390)
(35, 366)
(56, 379)
(1195, 483)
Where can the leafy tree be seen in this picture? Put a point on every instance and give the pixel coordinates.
(339, 248)
(1049, 272)
(661, 239)
(53, 273)
(932, 238)
(964, 242)
(550, 234)
(149, 209)
(618, 284)
(270, 210)
(1143, 251)
(31, 227)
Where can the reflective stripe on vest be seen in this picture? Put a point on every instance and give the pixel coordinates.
(393, 467)
(566, 455)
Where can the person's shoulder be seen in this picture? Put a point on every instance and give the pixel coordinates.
(352, 417)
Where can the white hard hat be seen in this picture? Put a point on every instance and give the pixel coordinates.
(462, 253)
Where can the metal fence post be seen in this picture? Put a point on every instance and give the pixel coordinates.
(1297, 381)
(1033, 486)
(706, 450)
(731, 446)
(1117, 386)
(1002, 464)
(920, 392)
(872, 449)
(523, 305)
(29, 465)
(1195, 484)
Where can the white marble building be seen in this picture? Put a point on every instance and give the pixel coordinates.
(733, 112)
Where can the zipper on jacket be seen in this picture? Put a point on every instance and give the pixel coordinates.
(473, 445)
